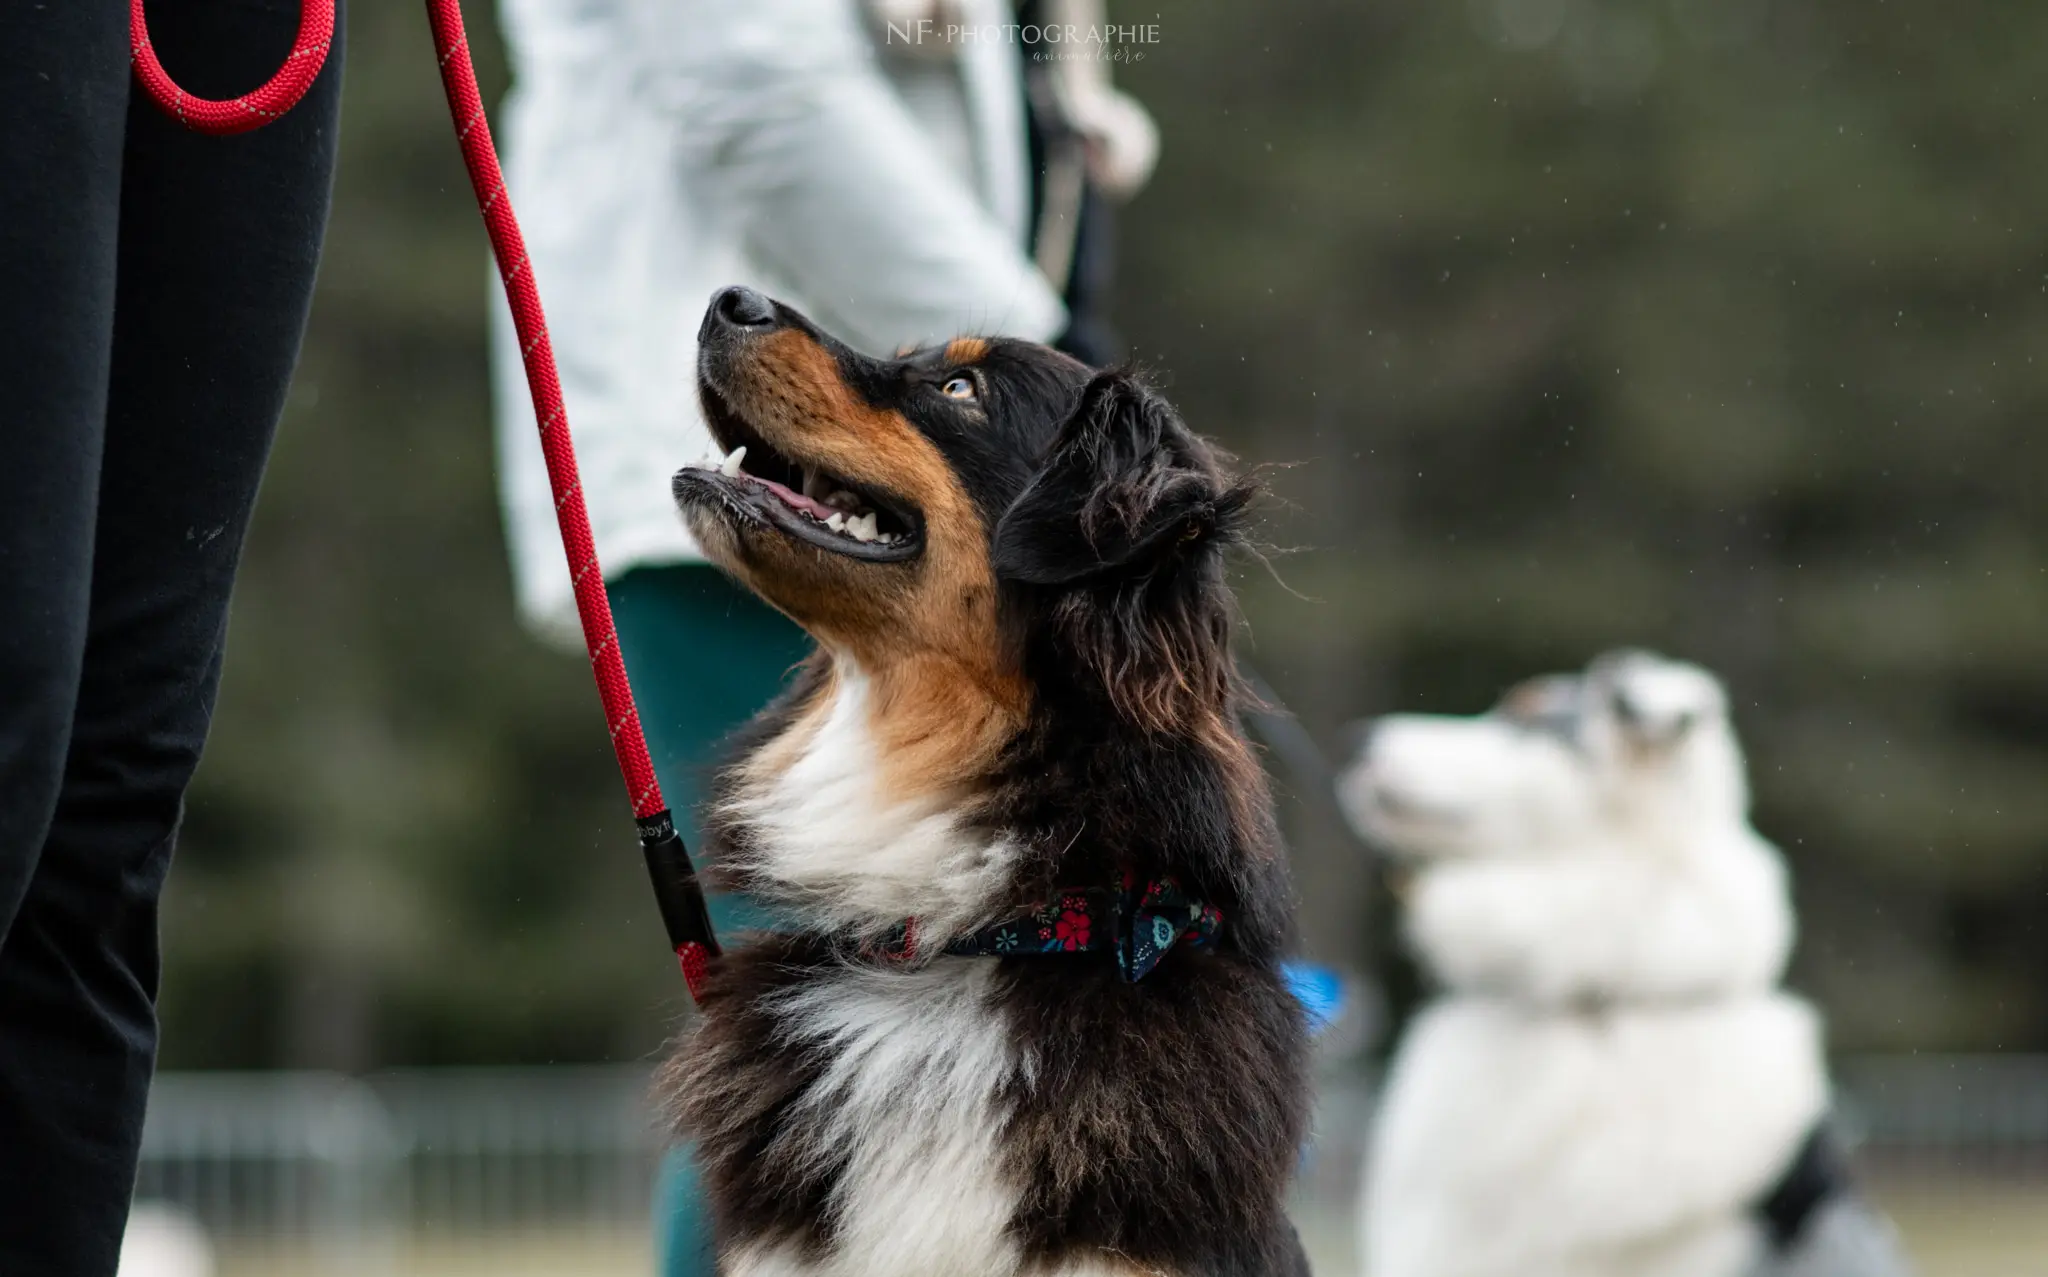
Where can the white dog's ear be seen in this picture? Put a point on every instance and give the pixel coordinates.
(1547, 700)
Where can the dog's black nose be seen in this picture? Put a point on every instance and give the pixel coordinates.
(743, 308)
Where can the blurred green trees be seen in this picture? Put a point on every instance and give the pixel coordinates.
(1715, 325)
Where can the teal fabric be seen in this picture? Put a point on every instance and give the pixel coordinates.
(704, 656)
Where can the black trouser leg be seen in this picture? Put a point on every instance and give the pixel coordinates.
(196, 329)
(64, 76)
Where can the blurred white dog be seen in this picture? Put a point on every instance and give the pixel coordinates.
(1610, 1085)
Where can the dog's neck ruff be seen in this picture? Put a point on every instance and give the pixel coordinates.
(1140, 922)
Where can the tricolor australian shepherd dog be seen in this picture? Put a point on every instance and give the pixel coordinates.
(1029, 1017)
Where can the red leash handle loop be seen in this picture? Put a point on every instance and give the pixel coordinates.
(251, 110)
(473, 131)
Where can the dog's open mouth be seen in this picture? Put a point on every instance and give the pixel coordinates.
(801, 500)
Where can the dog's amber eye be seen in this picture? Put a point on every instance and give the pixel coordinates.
(961, 388)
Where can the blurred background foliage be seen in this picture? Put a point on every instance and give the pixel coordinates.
(1712, 325)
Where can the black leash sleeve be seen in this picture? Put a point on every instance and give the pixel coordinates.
(677, 893)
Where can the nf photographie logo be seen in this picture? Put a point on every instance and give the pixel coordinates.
(1047, 42)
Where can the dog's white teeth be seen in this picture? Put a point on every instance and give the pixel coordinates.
(887, 538)
(837, 522)
(862, 527)
(730, 467)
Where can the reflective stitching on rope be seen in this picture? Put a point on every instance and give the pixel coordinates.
(471, 124)
(294, 76)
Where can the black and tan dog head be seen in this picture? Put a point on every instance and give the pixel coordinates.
(940, 506)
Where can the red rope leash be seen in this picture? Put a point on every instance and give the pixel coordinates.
(251, 110)
(676, 891)
(473, 132)
(675, 884)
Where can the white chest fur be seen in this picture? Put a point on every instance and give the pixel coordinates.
(918, 1058)
(831, 835)
(1542, 1144)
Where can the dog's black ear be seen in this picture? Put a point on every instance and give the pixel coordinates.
(1126, 488)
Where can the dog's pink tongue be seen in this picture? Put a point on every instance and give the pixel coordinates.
(797, 500)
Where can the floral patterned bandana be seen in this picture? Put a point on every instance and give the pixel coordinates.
(1140, 922)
